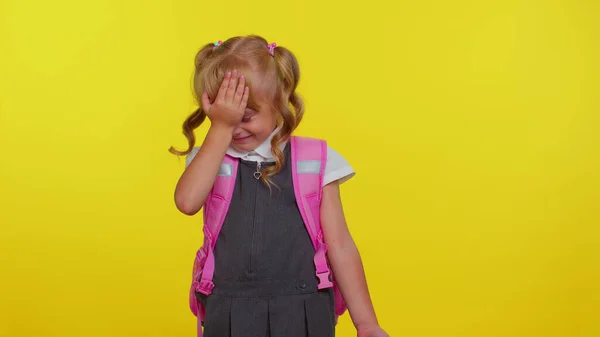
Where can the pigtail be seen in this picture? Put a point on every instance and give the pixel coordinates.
(198, 117)
(289, 71)
(288, 102)
(189, 125)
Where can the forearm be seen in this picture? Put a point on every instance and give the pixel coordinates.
(349, 272)
(198, 178)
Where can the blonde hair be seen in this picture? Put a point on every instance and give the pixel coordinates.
(279, 75)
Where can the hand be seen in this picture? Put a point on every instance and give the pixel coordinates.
(230, 104)
(372, 331)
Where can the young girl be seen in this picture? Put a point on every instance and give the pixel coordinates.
(264, 273)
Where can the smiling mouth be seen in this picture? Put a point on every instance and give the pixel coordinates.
(241, 139)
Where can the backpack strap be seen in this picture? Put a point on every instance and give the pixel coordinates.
(309, 157)
(215, 210)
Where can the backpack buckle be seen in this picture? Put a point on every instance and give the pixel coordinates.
(324, 281)
(205, 287)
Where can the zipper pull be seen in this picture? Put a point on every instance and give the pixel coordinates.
(258, 173)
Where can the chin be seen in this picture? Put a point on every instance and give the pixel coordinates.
(246, 146)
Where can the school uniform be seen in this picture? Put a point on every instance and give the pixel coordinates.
(265, 283)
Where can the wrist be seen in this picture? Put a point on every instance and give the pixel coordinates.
(366, 325)
(218, 136)
(365, 321)
(363, 314)
(222, 129)
(221, 132)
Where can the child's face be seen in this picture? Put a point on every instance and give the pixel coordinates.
(257, 125)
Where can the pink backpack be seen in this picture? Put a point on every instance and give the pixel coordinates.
(309, 157)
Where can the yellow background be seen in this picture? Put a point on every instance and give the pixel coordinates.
(473, 126)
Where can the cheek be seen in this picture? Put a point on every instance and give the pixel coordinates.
(261, 127)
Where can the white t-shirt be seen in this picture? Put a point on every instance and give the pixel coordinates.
(337, 167)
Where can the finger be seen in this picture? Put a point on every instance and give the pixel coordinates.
(223, 87)
(205, 102)
(231, 88)
(245, 96)
(239, 92)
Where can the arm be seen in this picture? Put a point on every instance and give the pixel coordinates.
(198, 178)
(225, 114)
(346, 263)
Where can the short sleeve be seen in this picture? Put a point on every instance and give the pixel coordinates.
(337, 168)
(190, 156)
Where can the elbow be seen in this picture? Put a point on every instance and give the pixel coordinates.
(188, 210)
(185, 206)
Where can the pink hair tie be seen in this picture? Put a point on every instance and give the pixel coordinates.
(272, 48)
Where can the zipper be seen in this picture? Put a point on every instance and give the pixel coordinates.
(257, 176)
(258, 173)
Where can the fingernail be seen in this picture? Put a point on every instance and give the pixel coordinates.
(242, 77)
(228, 73)
(235, 71)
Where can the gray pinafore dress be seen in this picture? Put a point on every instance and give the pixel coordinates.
(265, 283)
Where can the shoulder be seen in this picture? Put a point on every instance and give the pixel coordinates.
(337, 166)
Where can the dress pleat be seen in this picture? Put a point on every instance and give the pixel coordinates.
(287, 316)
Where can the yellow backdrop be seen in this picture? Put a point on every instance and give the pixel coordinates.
(473, 127)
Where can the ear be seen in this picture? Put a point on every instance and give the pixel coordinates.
(206, 102)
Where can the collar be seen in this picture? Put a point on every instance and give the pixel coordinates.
(263, 151)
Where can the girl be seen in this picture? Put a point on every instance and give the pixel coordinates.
(264, 274)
